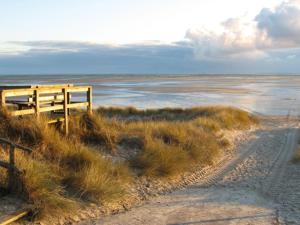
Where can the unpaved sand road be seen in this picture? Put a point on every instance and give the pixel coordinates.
(258, 185)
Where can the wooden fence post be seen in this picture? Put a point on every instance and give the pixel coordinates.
(2, 99)
(11, 170)
(89, 100)
(68, 101)
(66, 114)
(37, 103)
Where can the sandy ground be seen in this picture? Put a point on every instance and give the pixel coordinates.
(258, 185)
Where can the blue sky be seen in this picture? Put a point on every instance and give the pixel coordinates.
(138, 36)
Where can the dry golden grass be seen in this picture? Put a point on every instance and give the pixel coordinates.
(63, 171)
(94, 129)
(226, 116)
(172, 147)
(43, 188)
(160, 159)
(168, 140)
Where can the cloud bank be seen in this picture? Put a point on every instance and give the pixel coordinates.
(241, 38)
(268, 43)
(77, 57)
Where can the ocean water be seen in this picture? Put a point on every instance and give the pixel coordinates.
(264, 94)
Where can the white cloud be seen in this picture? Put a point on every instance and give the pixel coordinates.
(237, 38)
(241, 37)
(282, 24)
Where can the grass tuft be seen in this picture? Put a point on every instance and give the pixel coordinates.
(95, 129)
(160, 159)
(42, 187)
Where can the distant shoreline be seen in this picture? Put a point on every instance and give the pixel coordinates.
(265, 94)
(152, 74)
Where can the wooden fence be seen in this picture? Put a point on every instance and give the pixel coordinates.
(10, 164)
(13, 173)
(37, 99)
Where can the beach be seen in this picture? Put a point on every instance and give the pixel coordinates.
(211, 165)
(264, 94)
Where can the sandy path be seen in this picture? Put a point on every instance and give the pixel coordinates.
(257, 186)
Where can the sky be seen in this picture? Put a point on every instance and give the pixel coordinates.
(157, 36)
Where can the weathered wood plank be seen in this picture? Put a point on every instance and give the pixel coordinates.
(30, 91)
(17, 102)
(37, 102)
(43, 90)
(2, 99)
(77, 105)
(51, 108)
(18, 92)
(59, 97)
(5, 141)
(4, 164)
(3, 87)
(52, 86)
(66, 114)
(11, 170)
(56, 120)
(79, 89)
(89, 100)
(22, 112)
(12, 155)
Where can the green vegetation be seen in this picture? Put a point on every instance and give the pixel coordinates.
(90, 164)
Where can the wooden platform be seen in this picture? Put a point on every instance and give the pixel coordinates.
(37, 99)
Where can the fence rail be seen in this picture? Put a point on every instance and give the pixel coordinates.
(10, 164)
(12, 176)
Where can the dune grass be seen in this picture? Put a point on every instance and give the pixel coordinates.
(61, 170)
(168, 140)
(86, 165)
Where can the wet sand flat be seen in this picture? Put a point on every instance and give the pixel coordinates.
(270, 95)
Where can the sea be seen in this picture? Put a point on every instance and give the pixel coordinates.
(260, 94)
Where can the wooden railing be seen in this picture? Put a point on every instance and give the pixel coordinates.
(10, 164)
(45, 98)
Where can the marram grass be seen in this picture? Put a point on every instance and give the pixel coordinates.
(87, 165)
